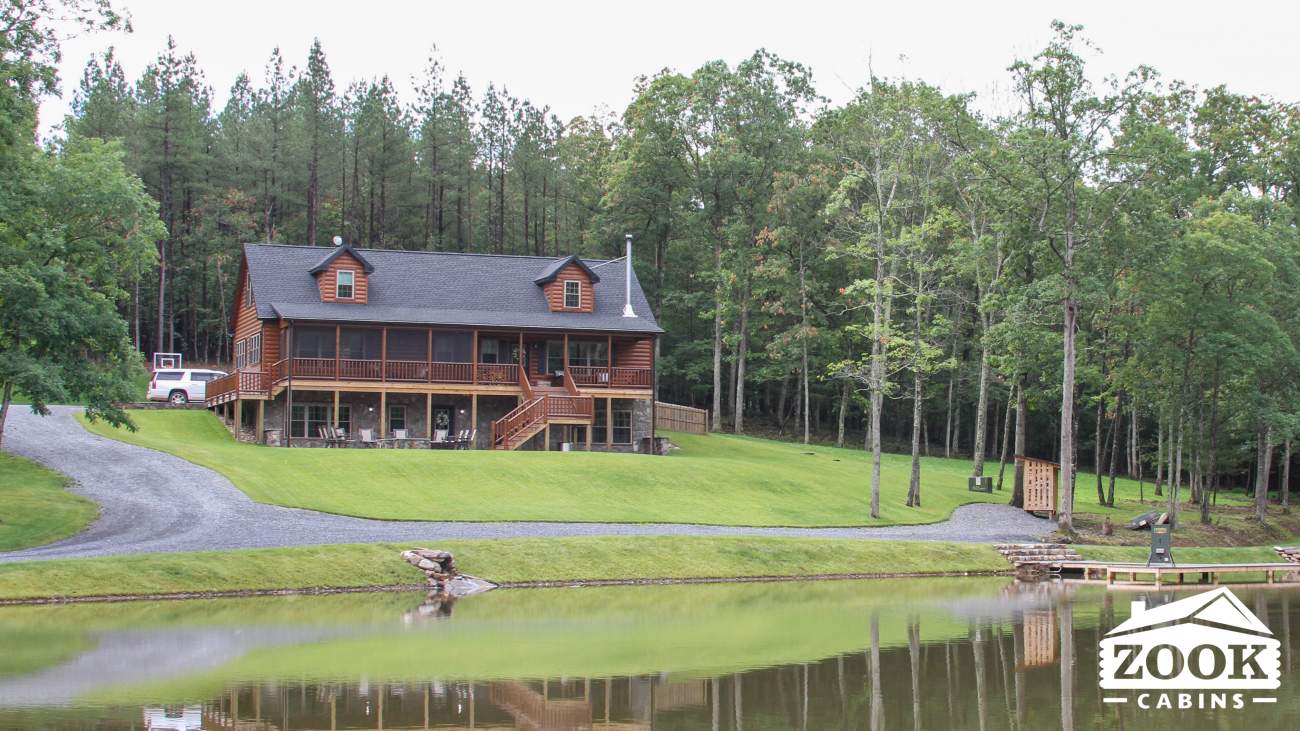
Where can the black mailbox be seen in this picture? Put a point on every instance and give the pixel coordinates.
(1161, 543)
(980, 484)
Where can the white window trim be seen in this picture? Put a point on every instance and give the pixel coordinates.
(352, 286)
(565, 294)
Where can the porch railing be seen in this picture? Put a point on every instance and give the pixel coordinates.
(239, 382)
(607, 377)
(498, 373)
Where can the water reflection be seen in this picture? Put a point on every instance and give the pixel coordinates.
(942, 654)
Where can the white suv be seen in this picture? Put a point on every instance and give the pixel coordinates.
(181, 385)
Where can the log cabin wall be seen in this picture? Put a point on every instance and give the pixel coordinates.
(327, 280)
(554, 290)
(630, 353)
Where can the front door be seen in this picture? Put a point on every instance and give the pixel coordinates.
(442, 422)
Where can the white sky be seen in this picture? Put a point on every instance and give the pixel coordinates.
(579, 56)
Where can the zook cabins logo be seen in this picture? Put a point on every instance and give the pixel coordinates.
(1204, 652)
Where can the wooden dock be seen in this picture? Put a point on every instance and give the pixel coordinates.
(1115, 573)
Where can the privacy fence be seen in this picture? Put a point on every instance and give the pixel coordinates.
(675, 417)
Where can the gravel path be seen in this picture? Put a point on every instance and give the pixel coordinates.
(151, 501)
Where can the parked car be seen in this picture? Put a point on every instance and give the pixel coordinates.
(181, 385)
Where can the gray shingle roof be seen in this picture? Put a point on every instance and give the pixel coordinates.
(552, 270)
(440, 288)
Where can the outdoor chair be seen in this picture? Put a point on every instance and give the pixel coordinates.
(366, 438)
(341, 437)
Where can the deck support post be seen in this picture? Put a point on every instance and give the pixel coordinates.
(383, 414)
(609, 422)
(334, 421)
(547, 437)
(428, 413)
(473, 357)
(261, 419)
(588, 430)
(239, 417)
(473, 419)
(383, 355)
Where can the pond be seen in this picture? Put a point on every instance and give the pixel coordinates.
(900, 654)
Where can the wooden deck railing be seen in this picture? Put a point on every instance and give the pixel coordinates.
(498, 373)
(611, 377)
(517, 420)
(521, 374)
(569, 407)
(252, 383)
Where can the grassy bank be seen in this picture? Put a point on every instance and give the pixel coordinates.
(514, 560)
(35, 505)
(719, 479)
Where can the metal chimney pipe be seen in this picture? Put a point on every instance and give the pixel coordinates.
(627, 281)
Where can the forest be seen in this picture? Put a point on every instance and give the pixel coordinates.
(1106, 275)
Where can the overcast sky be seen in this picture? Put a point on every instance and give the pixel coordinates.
(580, 56)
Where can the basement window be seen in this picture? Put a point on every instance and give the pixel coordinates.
(572, 294)
(343, 285)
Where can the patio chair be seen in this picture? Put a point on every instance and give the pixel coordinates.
(323, 433)
(366, 438)
(399, 438)
(341, 437)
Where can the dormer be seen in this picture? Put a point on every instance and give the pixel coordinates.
(343, 276)
(568, 285)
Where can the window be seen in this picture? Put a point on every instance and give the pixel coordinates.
(408, 344)
(345, 418)
(308, 419)
(253, 354)
(168, 375)
(343, 284)
(396, 418)
(588, 353)
(572, 294)
(554, 356)
(622, 426)
(239, 354)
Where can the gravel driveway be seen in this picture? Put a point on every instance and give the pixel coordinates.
(150, 501)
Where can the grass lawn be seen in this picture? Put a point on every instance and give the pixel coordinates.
(717, 479)
(513, 560)
(35, 507)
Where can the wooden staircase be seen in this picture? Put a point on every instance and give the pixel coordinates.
(542, 406)
(1034, 560)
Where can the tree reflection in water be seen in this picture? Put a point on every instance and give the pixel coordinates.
(986, 654)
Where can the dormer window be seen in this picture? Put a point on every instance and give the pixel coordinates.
(572, 294)
(343, 287)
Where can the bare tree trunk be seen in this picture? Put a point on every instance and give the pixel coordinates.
(1114, 449)
(1065, 508)
(717, 337)
(1176, 475)
(742, 349)
(1160, 455)
(914, 483)
(803, 307)
(4, 408)
(981, 414)
(1284, 488)
(1006, 436)
(1263, 456)
(1022, 415)
(1099, 444)
(844, 410)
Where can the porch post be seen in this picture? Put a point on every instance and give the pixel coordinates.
(337, 340)
(383, 356)
(428, 413)
(548, 437)
(522, 358)
(565, 359)
(239, 417)
(473, 418)
(428, 357)
(589, 428)
(383, 414)
(609, 421)
(335, 420)
(261, 419)
(473, 358)
(609, 363)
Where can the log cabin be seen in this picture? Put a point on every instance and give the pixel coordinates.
(523, 352)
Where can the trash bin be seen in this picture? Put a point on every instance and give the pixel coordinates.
(566, 446)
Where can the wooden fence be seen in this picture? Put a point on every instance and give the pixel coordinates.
(674, 417)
